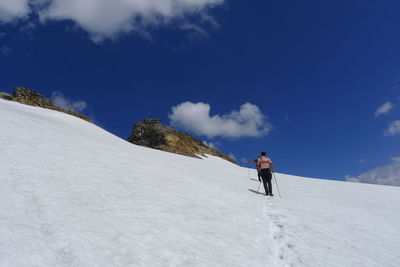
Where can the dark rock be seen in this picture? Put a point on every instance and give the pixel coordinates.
(33, 98)
(151, 133)
(6, 96)
(146, 134)
(25, 96)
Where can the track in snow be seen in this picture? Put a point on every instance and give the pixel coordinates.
(283, 250)
(278, 233)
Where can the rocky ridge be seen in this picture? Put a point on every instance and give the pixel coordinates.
(151, 133)
(25, 96)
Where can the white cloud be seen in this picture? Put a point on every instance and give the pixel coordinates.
(393, 129)
(386, 175)
(195, 117)
(107, 19)
(11, 10)
(385, 108)
(63, 102)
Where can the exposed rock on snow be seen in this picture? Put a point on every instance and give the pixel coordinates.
(5, 96)
(151, 133)
(33, 98)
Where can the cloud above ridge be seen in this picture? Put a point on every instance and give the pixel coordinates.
(64, 102)
(104, 19)
(195, 117)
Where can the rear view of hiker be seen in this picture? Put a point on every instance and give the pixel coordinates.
(265, 167)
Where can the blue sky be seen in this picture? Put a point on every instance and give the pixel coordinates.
(316, 84)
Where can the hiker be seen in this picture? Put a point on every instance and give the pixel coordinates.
(265, 167)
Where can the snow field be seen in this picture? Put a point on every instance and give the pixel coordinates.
(73, 194)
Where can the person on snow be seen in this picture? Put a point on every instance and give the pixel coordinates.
(265, 168)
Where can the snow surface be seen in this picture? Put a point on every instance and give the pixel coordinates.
(73, 194)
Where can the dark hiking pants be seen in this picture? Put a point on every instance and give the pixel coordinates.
(266, 176)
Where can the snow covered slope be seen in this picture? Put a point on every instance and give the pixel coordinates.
(72, 194)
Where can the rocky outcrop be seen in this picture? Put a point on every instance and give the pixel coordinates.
(5, 96)
(25, 96)
(151, 133)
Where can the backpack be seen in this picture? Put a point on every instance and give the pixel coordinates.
(263, 163)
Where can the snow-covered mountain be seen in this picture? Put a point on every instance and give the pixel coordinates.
(72, 194)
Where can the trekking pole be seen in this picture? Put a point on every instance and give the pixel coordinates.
(258, 190)
(277, 185)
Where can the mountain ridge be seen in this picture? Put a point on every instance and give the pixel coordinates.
(148, 132)
(153, 134)
(29, 97)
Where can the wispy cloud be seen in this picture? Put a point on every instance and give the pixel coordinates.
(13, 9)
(386, 175)
(28, 28)
(108, 19)
(396, 159)
(66, 103)
(195, 117)
(210, 144)
(393, 129)
(5, 50)
(384, 109)
(196, 31)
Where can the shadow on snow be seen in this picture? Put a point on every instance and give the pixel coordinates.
(255, 191)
